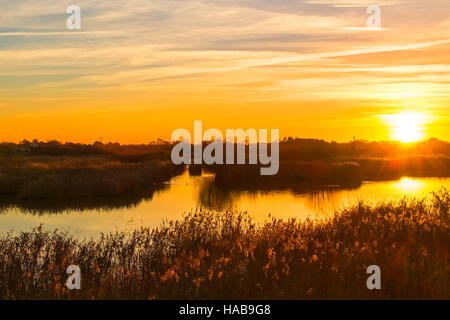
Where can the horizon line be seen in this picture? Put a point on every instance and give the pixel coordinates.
(163, 141)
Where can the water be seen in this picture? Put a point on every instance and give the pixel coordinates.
(89, 217)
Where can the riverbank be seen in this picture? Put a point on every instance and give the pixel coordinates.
(56, 177)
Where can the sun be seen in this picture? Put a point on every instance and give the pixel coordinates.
(406, 127)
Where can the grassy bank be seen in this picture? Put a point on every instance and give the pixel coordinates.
(333, 171)
(209, 255)
(44, 177)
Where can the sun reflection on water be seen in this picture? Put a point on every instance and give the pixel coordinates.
(409, 186)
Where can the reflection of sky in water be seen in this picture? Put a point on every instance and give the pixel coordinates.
(188, 193)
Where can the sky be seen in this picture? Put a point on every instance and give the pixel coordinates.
(139, 69)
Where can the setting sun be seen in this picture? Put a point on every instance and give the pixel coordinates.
(406, 127)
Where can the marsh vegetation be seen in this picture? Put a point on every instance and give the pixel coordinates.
(224, 255)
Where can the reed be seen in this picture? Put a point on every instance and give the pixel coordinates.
(71, 177)
(211, 255)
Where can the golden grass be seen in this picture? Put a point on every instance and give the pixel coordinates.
(224, 255)
(70, 177)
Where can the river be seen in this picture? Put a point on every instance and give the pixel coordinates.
(184, 193)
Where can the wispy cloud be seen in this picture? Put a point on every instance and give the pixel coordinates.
(238, 52)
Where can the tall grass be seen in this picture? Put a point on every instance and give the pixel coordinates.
(333, 171)
(69, 177)
(224, 255)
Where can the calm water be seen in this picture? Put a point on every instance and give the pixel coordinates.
(185, 193)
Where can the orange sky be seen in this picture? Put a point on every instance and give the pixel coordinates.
(139, 70)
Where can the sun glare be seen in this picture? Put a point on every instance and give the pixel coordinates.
(406, 127)
(409, 186)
